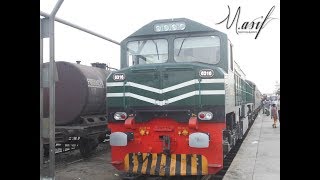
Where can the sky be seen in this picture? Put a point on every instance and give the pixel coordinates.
(116, 19)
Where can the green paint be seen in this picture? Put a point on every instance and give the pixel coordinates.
(124, 97)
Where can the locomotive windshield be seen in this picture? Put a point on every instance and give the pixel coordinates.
(147, 51)
(204, 49)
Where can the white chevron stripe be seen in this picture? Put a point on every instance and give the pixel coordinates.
(136, 96)
(132, 84)
(111, 84)
(144, 87)
(183, 96)
(211, 92)
(171, 100)
(181, 85)
(168, 89)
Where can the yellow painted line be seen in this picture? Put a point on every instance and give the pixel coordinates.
(183, 165)
(135, 163)
(145, 163)
(204, 165)
(194, 164)
(162, 165)
(153, 164)
(173, 165)
(126, 163)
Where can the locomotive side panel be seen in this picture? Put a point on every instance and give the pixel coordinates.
(230, 94)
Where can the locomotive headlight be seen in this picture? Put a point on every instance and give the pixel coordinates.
(157, 28)
(208, 115)
(205, 115)
(166, 28)
(170, 26)
(182, 26)
(119, 116)
(174, 27)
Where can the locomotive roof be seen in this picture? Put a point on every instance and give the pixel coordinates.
(237, 67)
(250, 82)
(191, 26)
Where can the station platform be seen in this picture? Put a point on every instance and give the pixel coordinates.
(259, 155)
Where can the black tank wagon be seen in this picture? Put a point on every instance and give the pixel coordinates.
(80, 105)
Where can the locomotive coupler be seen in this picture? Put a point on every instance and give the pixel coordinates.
(166, 144)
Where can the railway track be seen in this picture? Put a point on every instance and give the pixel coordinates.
(72, 156)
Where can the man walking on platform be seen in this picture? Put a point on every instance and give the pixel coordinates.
(274, 115)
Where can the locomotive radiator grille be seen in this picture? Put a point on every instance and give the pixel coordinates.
(166, 165)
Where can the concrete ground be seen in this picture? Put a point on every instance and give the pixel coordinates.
(259, 155)
(95, 168)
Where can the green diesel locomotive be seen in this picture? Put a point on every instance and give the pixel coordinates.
(179, 103)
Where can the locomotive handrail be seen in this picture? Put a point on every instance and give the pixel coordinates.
(199, 86)
(124, 95)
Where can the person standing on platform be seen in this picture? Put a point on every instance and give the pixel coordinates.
(274, 115)
(278, 106)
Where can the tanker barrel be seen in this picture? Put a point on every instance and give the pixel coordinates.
(80, 91)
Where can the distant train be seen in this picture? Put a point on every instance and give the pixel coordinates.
(80, 105)
(179, 103)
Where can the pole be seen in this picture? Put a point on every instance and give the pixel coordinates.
(80, 28)
(50, 33)
(41, 101)
(52, 90)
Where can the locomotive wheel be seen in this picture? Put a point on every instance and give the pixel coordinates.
(86, 146)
